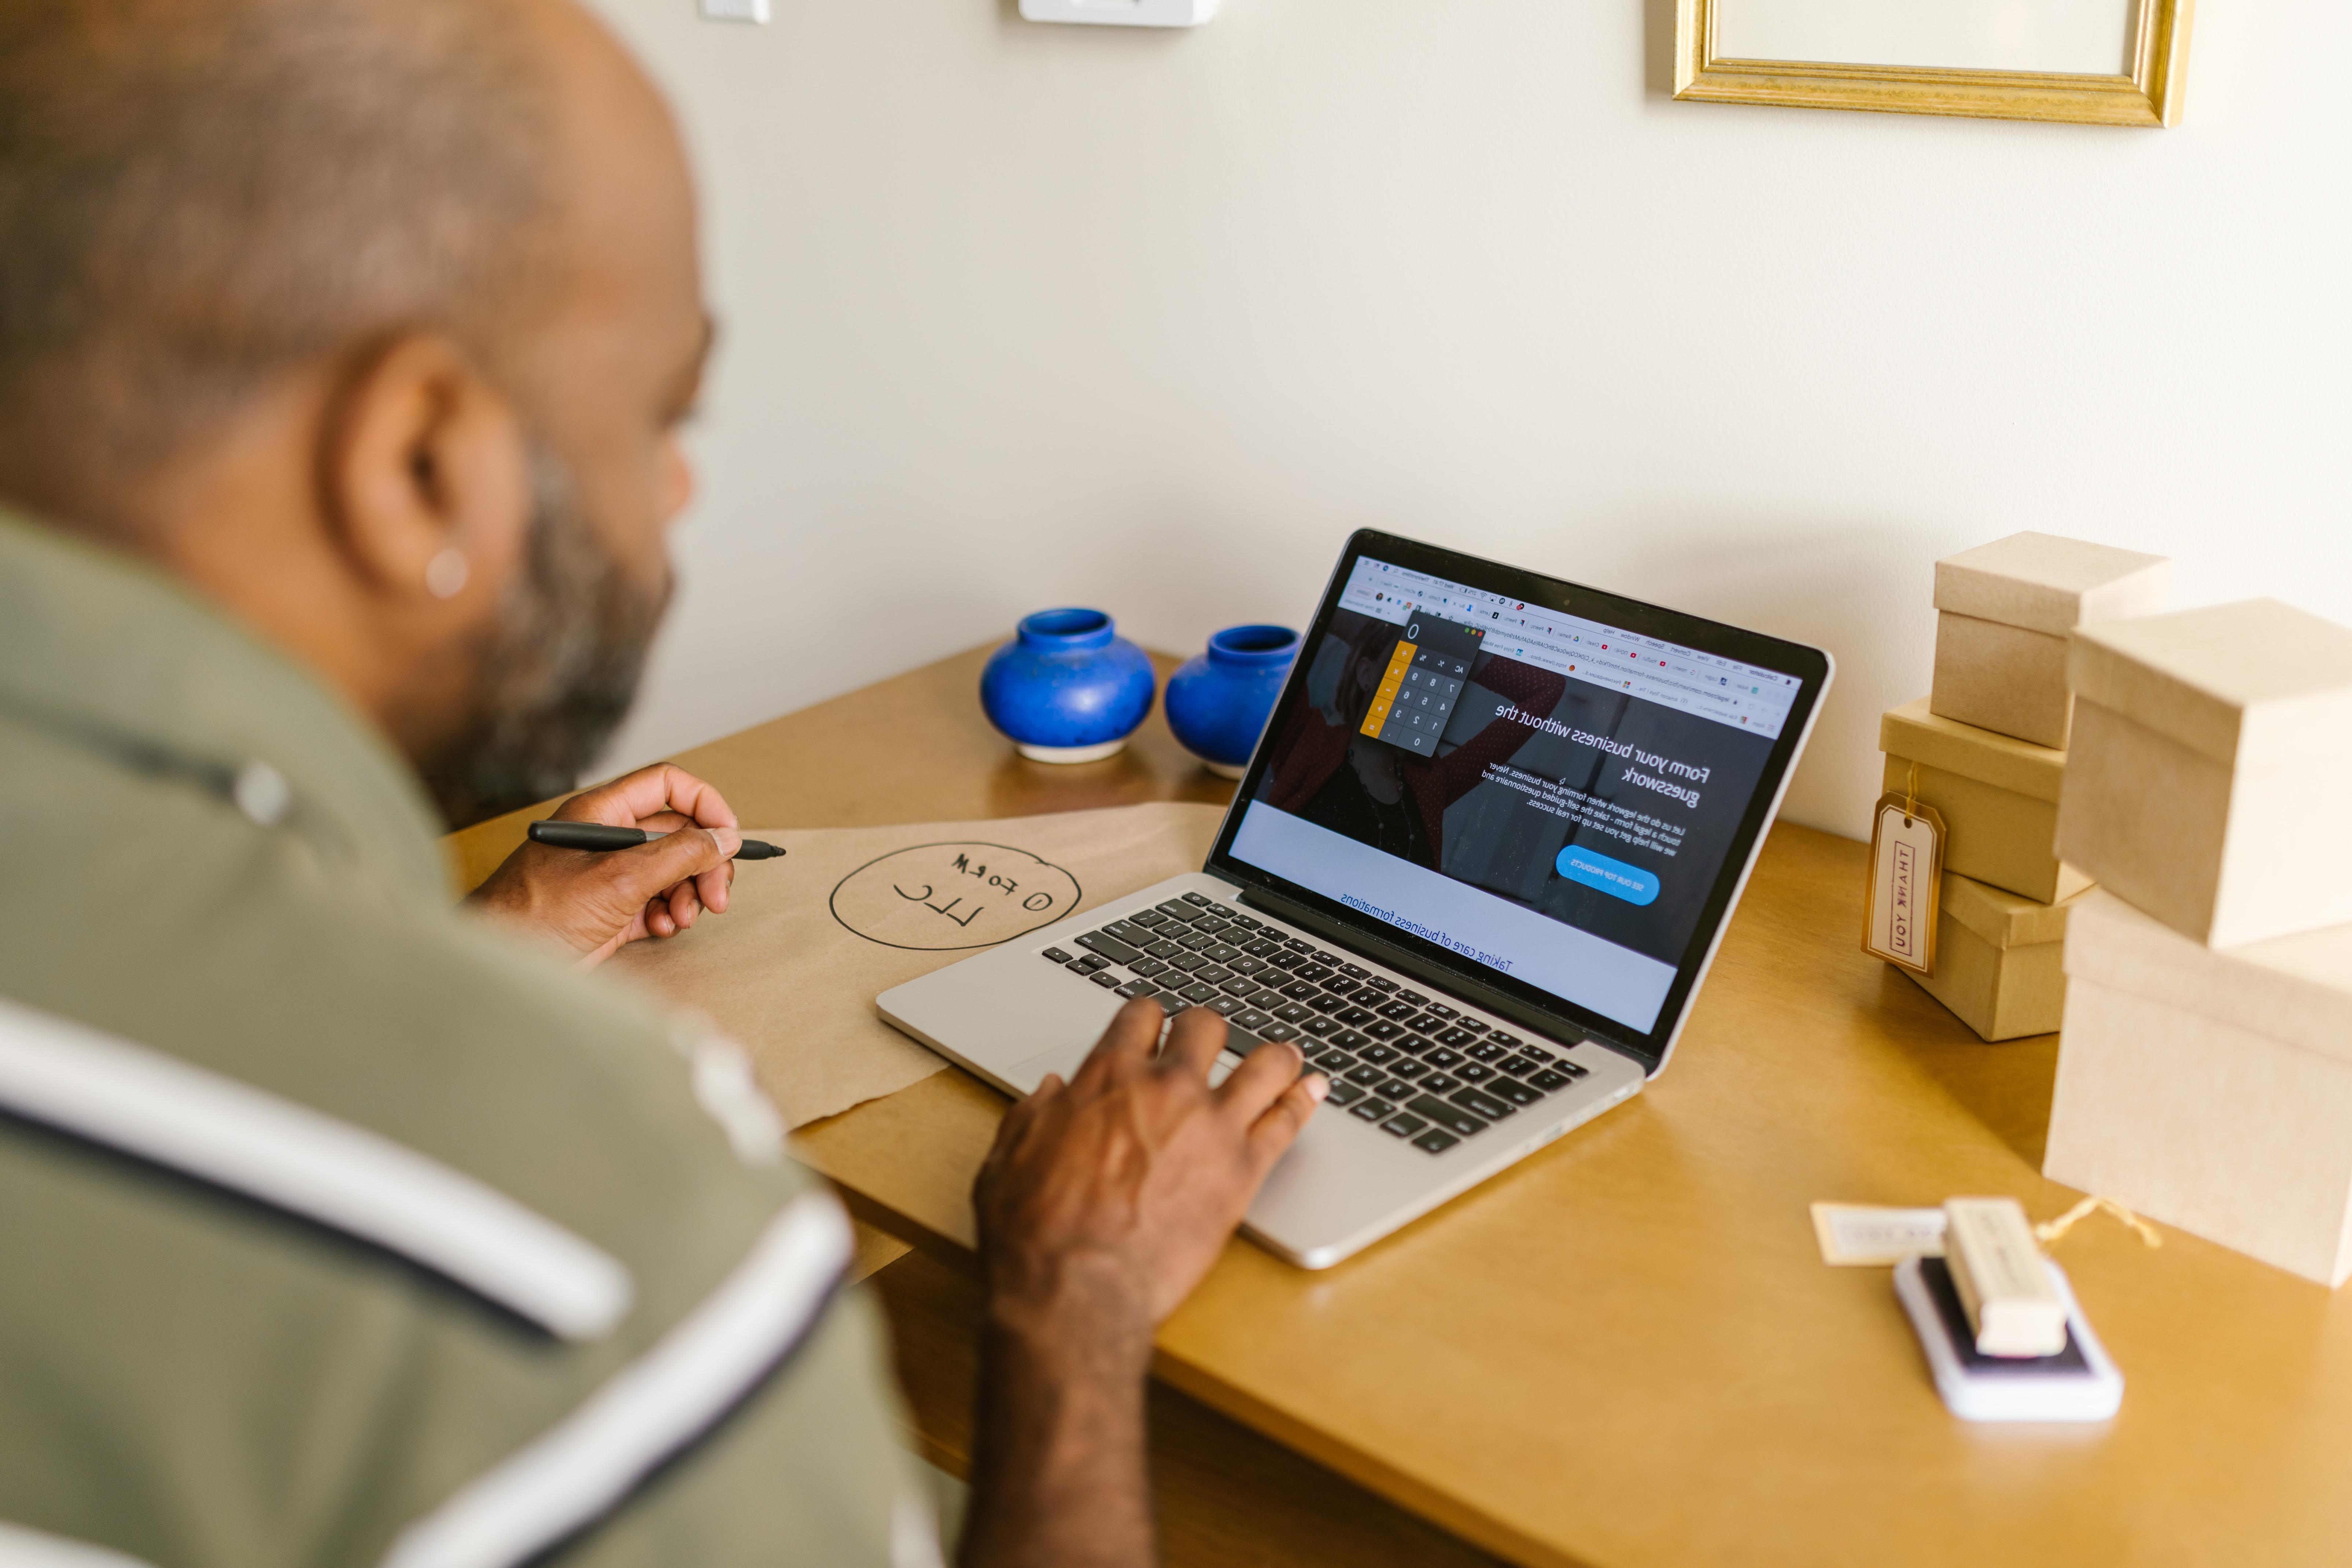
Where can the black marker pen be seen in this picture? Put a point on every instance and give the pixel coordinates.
(597, 836)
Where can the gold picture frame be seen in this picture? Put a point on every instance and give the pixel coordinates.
(2149, 96)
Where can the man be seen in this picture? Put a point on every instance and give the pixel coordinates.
(342, 348)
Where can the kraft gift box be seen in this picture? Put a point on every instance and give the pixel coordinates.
(1998, 959)
(2005, 610)
(2211, 779)
(2210, 1089)
(1998, 796)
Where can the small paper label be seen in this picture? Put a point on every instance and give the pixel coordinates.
(1860, 1233)
(1906, 865)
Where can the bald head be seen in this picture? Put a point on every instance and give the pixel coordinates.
(373, 320)
(200, 192)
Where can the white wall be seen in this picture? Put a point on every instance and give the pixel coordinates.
(1021, 315)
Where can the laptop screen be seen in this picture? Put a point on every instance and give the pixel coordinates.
(1549, 796)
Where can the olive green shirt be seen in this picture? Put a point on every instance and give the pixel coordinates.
(206, 855)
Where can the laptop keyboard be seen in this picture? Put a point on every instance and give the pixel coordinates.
(1425, 1073)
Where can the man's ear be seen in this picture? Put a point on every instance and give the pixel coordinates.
(426, 477)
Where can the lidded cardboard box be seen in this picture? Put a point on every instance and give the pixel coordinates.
(2211, 779)
(1998, 796)
(2211, 1091)
(2004, 611)
(1999, 960)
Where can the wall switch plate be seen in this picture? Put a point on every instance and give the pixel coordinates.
(1121, 13)
(735, 10)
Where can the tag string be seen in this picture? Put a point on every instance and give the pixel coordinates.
(1911, 796)
(2053, 1230)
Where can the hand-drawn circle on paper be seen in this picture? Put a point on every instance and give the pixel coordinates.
(941, 896)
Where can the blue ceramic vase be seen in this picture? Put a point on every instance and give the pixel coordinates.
(1068, 688)
(1218, 703)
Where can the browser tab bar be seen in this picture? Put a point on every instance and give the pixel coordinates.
(1744, 696)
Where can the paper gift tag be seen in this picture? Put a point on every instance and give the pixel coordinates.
(1906, 870)
(1862, 1234)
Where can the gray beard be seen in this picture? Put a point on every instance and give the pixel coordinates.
(562, 669)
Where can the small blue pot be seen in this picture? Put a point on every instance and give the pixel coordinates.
(1068, 688)
(1218, 703)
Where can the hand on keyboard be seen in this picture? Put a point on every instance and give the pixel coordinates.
(1104, 1202)
(1108, 1197)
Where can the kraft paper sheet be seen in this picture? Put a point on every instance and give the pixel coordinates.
(793, 968)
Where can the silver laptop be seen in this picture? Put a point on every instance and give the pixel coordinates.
(1476, 870)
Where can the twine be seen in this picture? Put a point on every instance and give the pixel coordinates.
(2053, 1230)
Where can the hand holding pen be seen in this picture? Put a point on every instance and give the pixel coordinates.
(665, 843)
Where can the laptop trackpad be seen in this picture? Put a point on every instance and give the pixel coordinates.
(1067, 1059)
(1064, 1059)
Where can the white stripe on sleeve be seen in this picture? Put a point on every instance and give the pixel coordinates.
(649, 1410)
(23, 1548)
(161, 1109)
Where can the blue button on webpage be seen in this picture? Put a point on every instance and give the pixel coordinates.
(1614, 877)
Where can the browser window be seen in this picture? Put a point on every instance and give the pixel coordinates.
(1551, 796)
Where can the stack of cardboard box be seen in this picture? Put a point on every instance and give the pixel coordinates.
(2205, 1071)
(1987, 750)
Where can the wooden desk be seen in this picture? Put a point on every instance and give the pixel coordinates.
(1626, 1350)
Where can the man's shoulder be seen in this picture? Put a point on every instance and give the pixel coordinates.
(153, 913)
(164, 1294)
